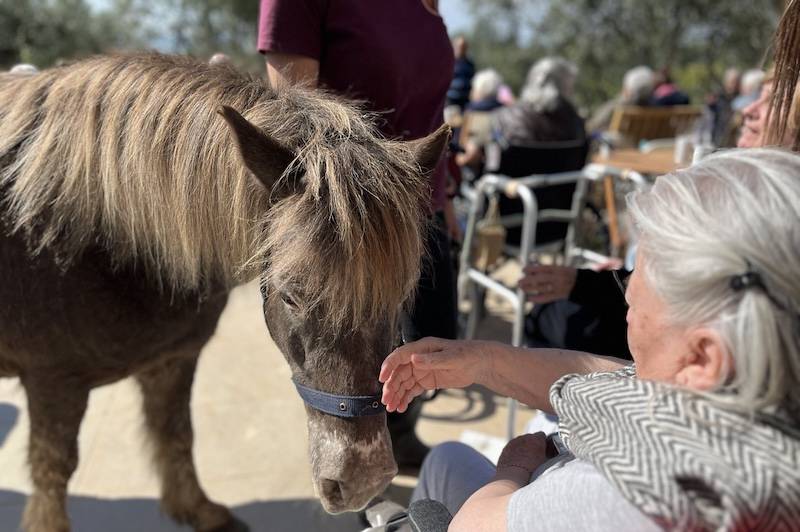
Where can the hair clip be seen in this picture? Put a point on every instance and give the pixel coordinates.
(747, 280)
(753, 279)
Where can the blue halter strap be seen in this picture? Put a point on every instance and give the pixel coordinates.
(347, 406)
(341, 405)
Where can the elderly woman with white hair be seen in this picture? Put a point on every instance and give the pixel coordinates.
(483, 95)
(637, 89)
(752, 80)
(476, 131)
(544, 111)
(702, 432)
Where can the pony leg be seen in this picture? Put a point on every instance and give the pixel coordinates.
(166, 389)
(56, 408)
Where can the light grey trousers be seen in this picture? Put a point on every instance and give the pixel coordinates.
(451, 473)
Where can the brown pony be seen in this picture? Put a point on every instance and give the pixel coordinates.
(135, 195)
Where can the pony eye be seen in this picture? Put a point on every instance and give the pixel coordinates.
(288, 300)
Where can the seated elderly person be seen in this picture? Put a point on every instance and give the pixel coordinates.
(579, 309)
(476, 130)
(752, 80)
(702, 431)
(544, 111)
(666, 92)
(483, 95)
(543, 120)
(637, 89)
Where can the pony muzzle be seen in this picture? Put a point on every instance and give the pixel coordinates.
(339, 496)
(352, 460)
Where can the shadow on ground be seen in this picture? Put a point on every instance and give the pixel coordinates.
(473, 404)
(8, 418)
(91, 514)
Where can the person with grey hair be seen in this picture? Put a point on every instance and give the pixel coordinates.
(750, 89)
(701, 432)
(23, 69)
(220, 58)
(637, 86)
(483, 96)
(637, 89)
(544, 111)
(476, 129)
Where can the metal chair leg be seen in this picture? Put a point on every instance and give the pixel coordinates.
(476, 302)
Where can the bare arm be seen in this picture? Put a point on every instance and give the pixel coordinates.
(486, 509)
(292, 69)
(527, 374)
(521, 373)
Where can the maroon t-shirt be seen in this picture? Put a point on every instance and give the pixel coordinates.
(393, 54)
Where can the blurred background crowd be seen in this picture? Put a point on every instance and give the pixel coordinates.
(693, 42)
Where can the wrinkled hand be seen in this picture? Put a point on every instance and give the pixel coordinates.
(544, 283)
(526, 452)
(428, 364)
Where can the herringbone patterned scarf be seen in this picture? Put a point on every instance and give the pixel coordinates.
(682, 460)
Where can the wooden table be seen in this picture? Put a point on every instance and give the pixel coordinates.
(655, 163)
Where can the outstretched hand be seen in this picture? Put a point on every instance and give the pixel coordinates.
(431, 363)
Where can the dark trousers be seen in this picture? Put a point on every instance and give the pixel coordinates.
(434, 310)
(433, 314)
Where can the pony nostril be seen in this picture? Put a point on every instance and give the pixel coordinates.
(332, 492)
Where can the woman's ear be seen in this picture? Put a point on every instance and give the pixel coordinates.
(708, 363)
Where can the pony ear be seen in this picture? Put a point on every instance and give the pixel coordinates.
(428, 150)
(264, 156)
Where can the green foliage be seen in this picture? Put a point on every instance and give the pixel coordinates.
(204, 27)
(499, 37)
(697, 39)
(42, 32)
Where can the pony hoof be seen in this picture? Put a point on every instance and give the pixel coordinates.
(233, 525)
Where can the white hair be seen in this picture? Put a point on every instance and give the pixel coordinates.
(548, 80)
(637, 85)
(752, 81)
(23, 68)
(735, 212)
(485, 84)
(220, 58)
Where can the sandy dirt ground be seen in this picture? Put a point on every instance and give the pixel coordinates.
(250, 445)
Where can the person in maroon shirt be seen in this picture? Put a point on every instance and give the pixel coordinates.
(396, 58)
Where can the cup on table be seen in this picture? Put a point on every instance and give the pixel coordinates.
(684, 149)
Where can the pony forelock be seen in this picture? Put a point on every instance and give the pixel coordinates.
(127, 152)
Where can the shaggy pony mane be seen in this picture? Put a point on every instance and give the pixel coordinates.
(128, 152)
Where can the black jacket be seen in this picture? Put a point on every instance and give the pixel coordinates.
(592, 319)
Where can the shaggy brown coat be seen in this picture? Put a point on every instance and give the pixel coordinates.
(128, 151)
(128, 212)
